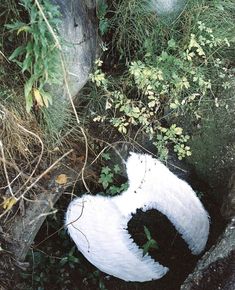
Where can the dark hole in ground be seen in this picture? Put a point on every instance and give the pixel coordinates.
(173, 251)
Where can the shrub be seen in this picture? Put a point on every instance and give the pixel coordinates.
(166, 86)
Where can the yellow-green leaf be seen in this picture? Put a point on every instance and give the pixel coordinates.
(178, 130)
(24, 28)
(9, 202)
(38, 97)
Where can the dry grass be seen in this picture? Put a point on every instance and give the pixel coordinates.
(21, 150)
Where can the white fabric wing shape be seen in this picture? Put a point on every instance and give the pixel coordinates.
(98, 224)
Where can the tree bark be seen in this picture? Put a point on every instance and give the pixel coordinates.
(24, 228)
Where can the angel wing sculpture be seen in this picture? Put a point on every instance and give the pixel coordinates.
(98, 224)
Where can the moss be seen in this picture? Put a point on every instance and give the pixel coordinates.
(213, 144)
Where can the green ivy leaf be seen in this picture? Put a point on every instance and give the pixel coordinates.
(116, 169)
(106, 156)
(106, 170)
(171, 43)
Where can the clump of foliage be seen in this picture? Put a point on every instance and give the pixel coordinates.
(108, 177)
(37, 60)
(102, 8)
(166, 84)
(135, 27)
(38, 55)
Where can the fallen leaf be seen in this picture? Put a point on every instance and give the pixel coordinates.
(9, 202)
(61, 179)
(56, 149)
(38, 97)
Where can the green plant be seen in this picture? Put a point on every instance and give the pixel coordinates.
(101, 14)
(150, 244)
(108, 176)
(97, 279)
(135, 28)
(199, 194)
(98, 77)
(70, 259)
(38, 55)
(181, 76)
(175, 82)
(172, 136)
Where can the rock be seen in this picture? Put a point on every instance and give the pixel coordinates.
(228, 207)
(78, 34)
(216, 269)
(168, 8)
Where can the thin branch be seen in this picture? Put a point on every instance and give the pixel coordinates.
(13, 180)
(46, 171)
(5, 169)
(39, 177)
(39, 158)
(42, 215)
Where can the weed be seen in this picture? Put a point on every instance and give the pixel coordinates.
(135, 28)
(38, 55)
(172, 136)
(101, 14)
(108, 176)
(166, 86)
(150, 244)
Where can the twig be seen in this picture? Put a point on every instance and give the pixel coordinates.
(5, 169)
(39, 158)
(13, 180)
(4, 56)
(65, 226)
(46, 171)
(39, 177)
(109, 145)
(42, 215)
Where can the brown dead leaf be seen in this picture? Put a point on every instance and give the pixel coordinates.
(62, 179)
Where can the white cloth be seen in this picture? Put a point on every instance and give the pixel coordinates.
(98, 224)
